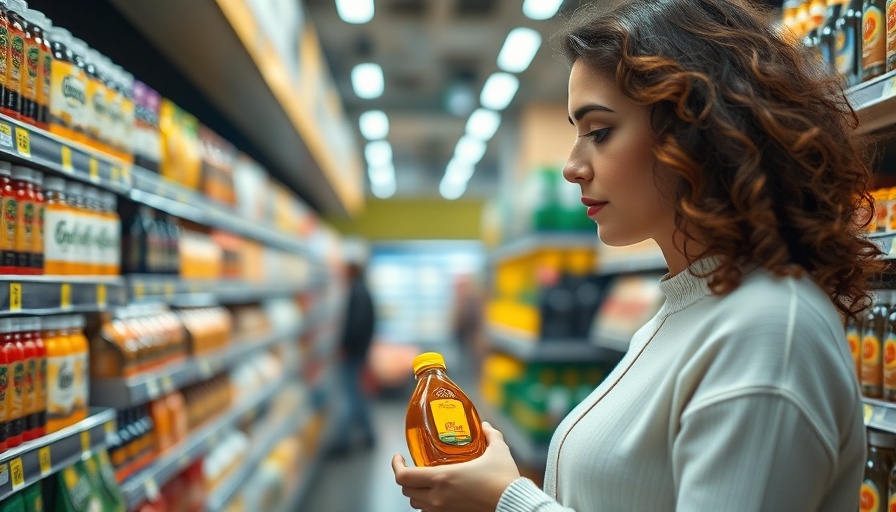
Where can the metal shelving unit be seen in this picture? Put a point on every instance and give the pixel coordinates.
(127, 392)
(147, 482)
(264, 444)
(48, 295)
(172, 290)
(528, 244)
(529, 348)
(40, 458)
(874, 102)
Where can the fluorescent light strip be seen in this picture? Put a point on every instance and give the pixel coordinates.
(519, 49)
(383, 190)
(355, 11)
(378, 153)
(541, 9)
(452, 190)
(381, 175)
(367, 80)
(498, 91)
(374, 125)
(458, 171)
(469, 150)
(483, 124)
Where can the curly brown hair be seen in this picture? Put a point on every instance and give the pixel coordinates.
(771, 170)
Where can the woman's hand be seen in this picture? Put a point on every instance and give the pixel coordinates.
(471, 486)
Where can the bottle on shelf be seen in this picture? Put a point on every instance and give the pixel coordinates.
(74, 331)
(79, 53)
(34, 325)
(826, 41)
(60, 375)
(442, 425)
(15, 355)
(58, 216)
(68, 87)
(872, 345)
(9, 218)
(37, 246)
(15, 56)
(39, 24)
(94, 219)
(141, 244)
(874, 39)
(29, 394)
(29, 66)
(78, 264)
(112, 239)
(24, 237)
(881, 456)
(848, 43)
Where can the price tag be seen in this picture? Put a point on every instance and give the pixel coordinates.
(23, 141)
(869, 410)
(101, 295)
(5, 135)
(46, 463)
(65, 292)
(116, 174)
(67, 159)
(15, 296)
(167, 384)
(111, 428)
(139, 290)
(169, 290)
(94, 170)
(17, 472)
(152, 389)
(85, 441)
(126, 175)
(152, 490)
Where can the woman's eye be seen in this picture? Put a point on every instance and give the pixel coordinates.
(598, 135)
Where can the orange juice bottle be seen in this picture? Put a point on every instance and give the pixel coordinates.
(58, 216)
(60, 375)
(74, 330)
(29, 395)
(15, 352)
(442, 425)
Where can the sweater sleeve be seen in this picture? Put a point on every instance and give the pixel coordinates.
(522, 495)
(753, 452)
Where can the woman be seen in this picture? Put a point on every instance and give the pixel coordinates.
(699, 128)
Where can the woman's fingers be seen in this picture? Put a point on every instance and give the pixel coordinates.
(417, 478)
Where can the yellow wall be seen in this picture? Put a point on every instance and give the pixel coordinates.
(415, 219)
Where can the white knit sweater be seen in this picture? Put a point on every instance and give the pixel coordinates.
(747, 402)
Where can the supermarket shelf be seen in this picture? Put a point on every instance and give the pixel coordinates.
(265, 444)
(528, 348)
(196, 293)
(295, 497)
(885, 242)
(147, 482)
(525, 451)
(874, 102)
(48, 295)
(24, 143)
(255, 91)
(153, 190)
(880, 415)
(529, 244)
(128, 392)
(35, 460)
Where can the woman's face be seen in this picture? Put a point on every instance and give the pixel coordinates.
(612, 160)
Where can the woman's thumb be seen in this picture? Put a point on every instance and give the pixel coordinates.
(491, 434)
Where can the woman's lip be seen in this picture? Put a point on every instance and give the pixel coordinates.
(595, 208)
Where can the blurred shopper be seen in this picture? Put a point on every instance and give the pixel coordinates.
(467, 322)
(699, 127)
(357, 336)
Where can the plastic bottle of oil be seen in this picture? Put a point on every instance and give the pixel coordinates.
(442, 425)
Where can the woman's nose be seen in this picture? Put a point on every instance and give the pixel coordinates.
(576, 170)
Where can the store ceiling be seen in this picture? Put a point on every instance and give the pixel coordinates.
(429, 49)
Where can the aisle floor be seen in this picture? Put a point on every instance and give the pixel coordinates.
(363, 481)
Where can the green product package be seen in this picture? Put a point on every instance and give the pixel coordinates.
(99, 470)
(76, 493)
(14, 503)
(34, 498)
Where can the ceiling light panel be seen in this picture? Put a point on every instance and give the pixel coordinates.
(483, 124)
(469, 149)
(374, 124)
(541, 9)
(498, 91)
(452, 190)
(378, 153)
(367, 80)
(355, 11)
(519, 49)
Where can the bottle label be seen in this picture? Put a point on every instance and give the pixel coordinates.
(4, 388)
(79, 396)
(59, 246)
(32, 65)
(18, 56)
(18, 389)
(874, 38)
(25, 232)
(451, 422)
(871, 361)
(869, 497)
(67, 94)
(890, 362)
(4, 51)
(891, 28)
(30, 386)
(60, 386)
